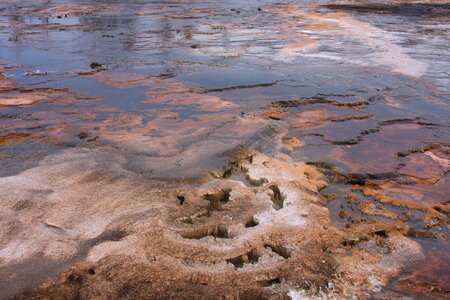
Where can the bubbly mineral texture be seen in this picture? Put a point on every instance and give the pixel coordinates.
(232, 150)
(124, 236)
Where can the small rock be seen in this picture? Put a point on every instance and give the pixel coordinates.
(97, 66)
(93, 139)
(82, 135)
(54, 226)
(36, 73)
(167, 74)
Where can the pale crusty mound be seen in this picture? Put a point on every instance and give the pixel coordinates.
(259, 229)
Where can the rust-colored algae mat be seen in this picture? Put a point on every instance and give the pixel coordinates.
(224, 149)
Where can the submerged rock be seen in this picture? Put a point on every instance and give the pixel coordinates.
(36, 73)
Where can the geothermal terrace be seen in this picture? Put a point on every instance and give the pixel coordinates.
(224, 149)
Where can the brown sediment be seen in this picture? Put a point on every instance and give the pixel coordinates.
(371, 186)
(22, 99)
(321, 100)
(372, 190)
(13, 95)
(6, 83)
(380, 187)
(183, 16)
(369, 208)
(274, 114)
(200, 10)
(206, 102)
(292, 143)
(163, 91)
(121, 79)
(318, 25)
(309, 118)
(433, 7)
(431, 217)
(303, 43)
(13, 137)
(239, 87)
(303, 101)
(166, 139)
(75, 10)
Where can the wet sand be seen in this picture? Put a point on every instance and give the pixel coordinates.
(273, 150)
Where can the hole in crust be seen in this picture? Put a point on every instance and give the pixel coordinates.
(233, 168)
(236, 170)
(193, 218)
(277, 197)
(220, 232)
(251, 222)
(91, 271)
(107, 236)
(282, 251)
(251, 257)
(75, 278)
(255, 182)
(270, 282)
(181, 199)
(218, 199)
(381, 233)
